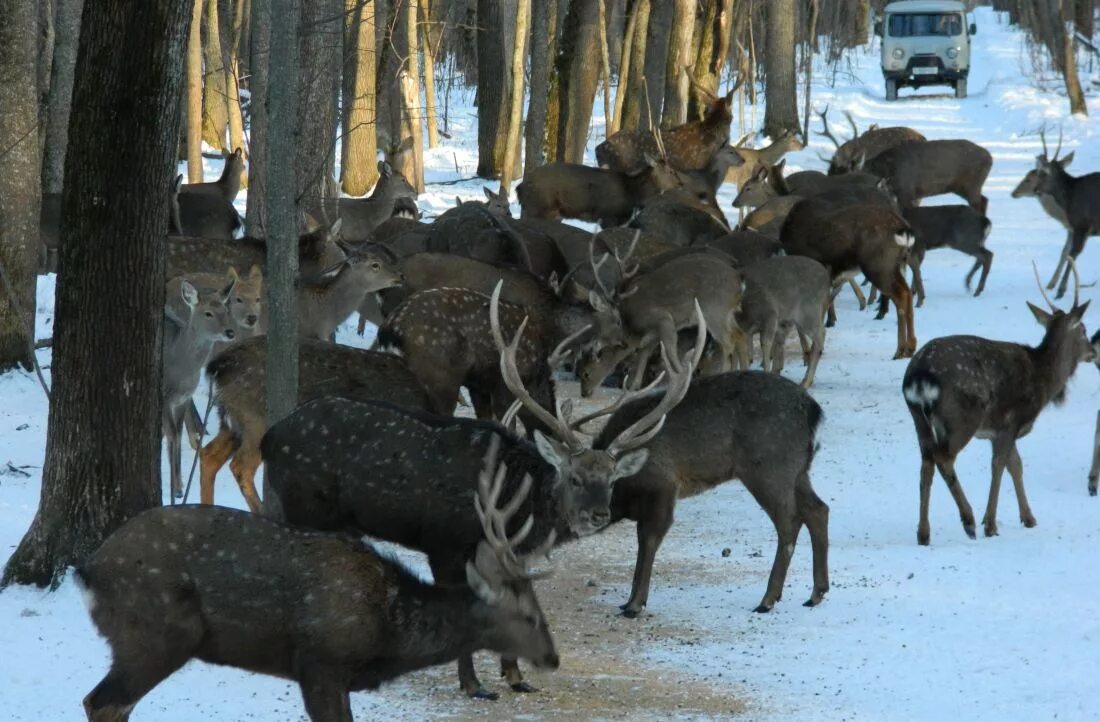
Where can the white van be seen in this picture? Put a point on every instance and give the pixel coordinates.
(925, 42)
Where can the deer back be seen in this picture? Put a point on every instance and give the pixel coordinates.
(920, 169)
(869, 145)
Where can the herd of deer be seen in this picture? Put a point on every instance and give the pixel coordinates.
(494, 304)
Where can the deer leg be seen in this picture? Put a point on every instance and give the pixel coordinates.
(326, 700)
(212, 458)
(915, 262)
(859, 293)
(483, 403)
(1016, 471)
(872, 296)
(1061, 261)
(651, 532)
(641, 362)
(787, 525)
(817, 337)
(985, 262)
(452, 571)
(946, 466)
(1078, 246)
(830, 314)
(244, 465)
(814, 513)
(193, 422)
(1002, 450)
(926, 469)
(139, 667)
(769, 337)
(1094, 471)
(509, 669)
(172, 427)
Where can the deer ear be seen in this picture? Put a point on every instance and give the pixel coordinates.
(1078, 312)
(188, 293)
(1040, 315)
(256, 274)
(1064, 162)
(780, 166)
(488, 193)
(178, 183)
(232, 274)
(599, 303)
(629, 464)
(549, 449)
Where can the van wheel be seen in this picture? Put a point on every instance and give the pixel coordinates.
(960, 88)
(891, 89)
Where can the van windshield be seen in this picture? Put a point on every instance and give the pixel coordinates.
(910, 25)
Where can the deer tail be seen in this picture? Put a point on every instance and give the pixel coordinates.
(923, 391)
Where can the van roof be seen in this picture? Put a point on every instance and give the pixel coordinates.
(925, 6)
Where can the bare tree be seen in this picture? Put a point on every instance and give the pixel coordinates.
(632, 80)
(674, 111)
(658, 32)
(61, 93)
(494, 24)
(515, 113)
(259, 45)
(427, 44)
(320, 48)
(359, 142)
(115, 216)
(543, 36)
(577, 73)
(194, 94)
(780, 94)
(410, 165)
(1077, 104)
(215, 111)
(20, 183)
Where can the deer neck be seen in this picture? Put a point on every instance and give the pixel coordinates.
(339, 295)
(1061, 187)
(1052, 367)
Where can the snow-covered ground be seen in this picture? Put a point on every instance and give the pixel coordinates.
(993, 629)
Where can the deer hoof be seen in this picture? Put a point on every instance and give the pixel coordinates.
(523, 688)
(1029, 521)
(923, 538)
(630, 611)
(969, 529)
(1093, 485)
(990, 529)
(482, 693)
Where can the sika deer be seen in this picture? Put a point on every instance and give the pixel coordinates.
(317, 250)
(228, 185)
(377, 464)
(767, 156)
(326, 302)
(325, 611)
(955, 226)
(1079, 198)
(959, 387)
(202, 215)
(239, 390)
(362, 215)
(866, 145)
(782, 292)
(921, 169)
(747, 425)
(569, 190)
(1094, 470)
(190, 330)
(1029, 187)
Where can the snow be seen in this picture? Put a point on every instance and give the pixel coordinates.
(992, 629)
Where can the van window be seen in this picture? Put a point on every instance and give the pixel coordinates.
(923, 24)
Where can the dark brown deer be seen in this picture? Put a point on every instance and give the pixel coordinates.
(689, 146)
(238, 380)
(202, 215)
(959, 387)
(1094, 470)
(325, 611)
(1029, 188)
(1078, 197)
(748, 425)
(917, 170)
(872, 238)
(228, 184)
(954, 226)
(865, 145)
(569, 190)
(677, 217)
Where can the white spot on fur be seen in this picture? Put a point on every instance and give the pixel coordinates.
(904, 239)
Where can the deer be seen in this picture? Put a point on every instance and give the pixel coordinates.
(748, 425)
(1028, 187)
(331, 613)
(952, 226)
(361, 216)
(780, 293)
(238, 381)
(959, 387)
(569, 190)
(193, 322)
(689, 146)
(873, 238)
(1077, 196)
(679, 218)
(867, 144)
(202, 215)
(767, 184)
(917, 170)
(443, 335)
(1094, 470)
(769, 155)
(228, 184)
(370, 474)
(768, 217)
(649, 309)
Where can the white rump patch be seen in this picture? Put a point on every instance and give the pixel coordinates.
(922, 394)
(905, 239)
(390, 349)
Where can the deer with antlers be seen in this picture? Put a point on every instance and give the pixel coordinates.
(866, 145)
(959, 387)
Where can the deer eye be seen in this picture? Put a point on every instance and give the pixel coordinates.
(375, 266)
(240, 300)
(210, 314)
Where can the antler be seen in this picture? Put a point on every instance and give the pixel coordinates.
(1043, 290)
(559, 354)
(852, 123)
(597, 265)
(494, 519)
(825, 132)
(1076, 281)
(710, 97)
(558, 425)
(644, 429)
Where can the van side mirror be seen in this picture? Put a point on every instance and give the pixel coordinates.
(973, 29)
(878, 28)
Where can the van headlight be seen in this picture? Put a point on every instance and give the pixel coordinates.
(899, 53)
(952, 53)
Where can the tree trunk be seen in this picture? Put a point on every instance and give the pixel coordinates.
(44, 66)
(780, 92)
(577, 75)
(808, 49)
(359, 144)
(20, 183)
(284, 114)
(320, 51)
(410, 165)
(194, 95)
(103, 436)
(427, 43)
(656, 60)
(542, 48)
(605, 71)
(1077, 104)
(388, 100)
(1082, 17)
(230, 54)
(215, 116)
(634, 107)
(515, 113)
(674, 111)
(625, 51)
(711, 49)
(61, 93)
(494, 86)
(259, 44)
